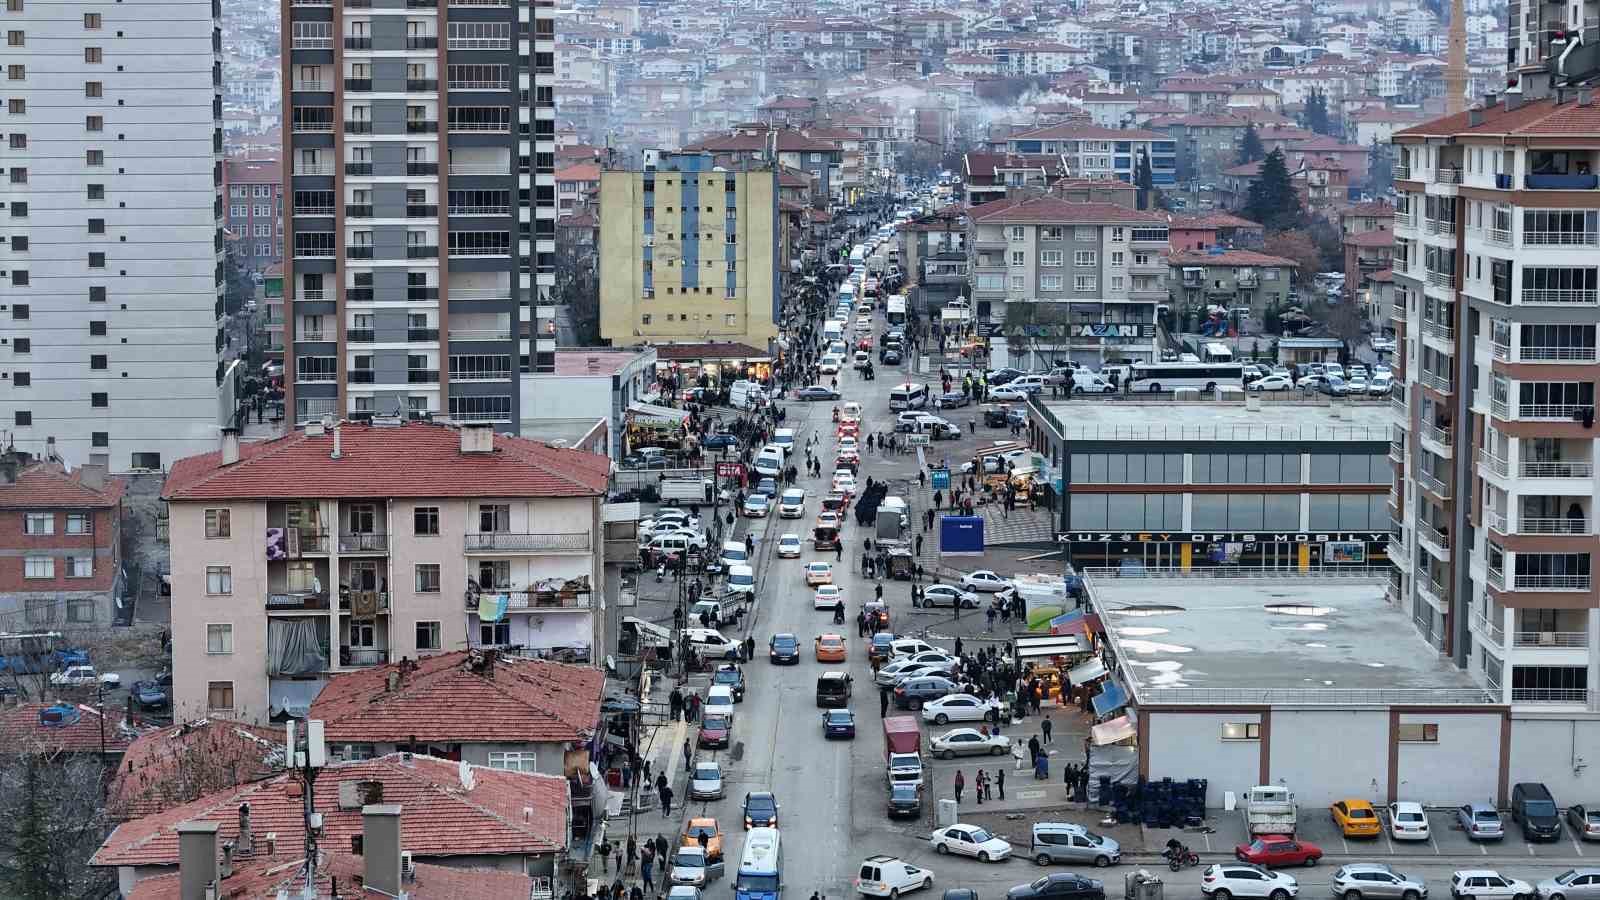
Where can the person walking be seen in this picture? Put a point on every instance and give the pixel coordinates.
(605, 855)
(919, 544)
(1034, 748)
(632, 853)
(938, 499)
(961, 785)
(666, 802)
(675, 700)
(1016, 755)
(883, 702)
(688, 765)
(989, 616)
(647, 861)
(1044, 725)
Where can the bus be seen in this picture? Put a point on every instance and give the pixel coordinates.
(760, 867)
(895, 312)
(1216, 352)
(1169, 376)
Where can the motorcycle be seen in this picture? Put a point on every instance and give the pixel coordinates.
(1181, 857)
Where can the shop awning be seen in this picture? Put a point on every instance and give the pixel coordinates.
(1088, 671)
(1049, 645)
(293, 697)
(649, 629)
(1113, 731)
(620, 512)
(1111, 698)
(650, 414)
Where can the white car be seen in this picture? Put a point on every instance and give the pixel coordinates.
(1382, 345)
(830, 365)
(948, 595)
(1381, 384)
(792, 505)
(888, 876)
(1407, 821)
(692, 868)
(969, 742)
(970, 840)
(1272, 383)
(933, 657)
(706, 781)
(848, 445)
(1005, 394)
(1487, 883)
(844, 483)
(709, 643)
(827, 596)
(1225, 880)
(1357, 384)
(888, 675)
(909, 647)
(789, 546)
(83, 676)
(959, 708)
(986, 581)
(991, 465)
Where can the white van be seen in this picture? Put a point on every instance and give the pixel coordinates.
(741, 580)
(745, 394)
(833, 330)
(1087, 382)
(734, 554)
(784, 438)
(908, 396)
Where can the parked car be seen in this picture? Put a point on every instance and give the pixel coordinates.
(1059, 886)
(1072, 843)
(952, 400)
(1272, 383)
(1480, 821)
(986, 581)
(905, 799)
(1584, 820)
(721, 440)
(731, 677)
(816, 392)
(705, 782)
(969, 742)
(83, 676)
(889, 876)
(970, 840)
(995, 416)
(1487, 884)
(1573, 884)
(1224, 881)
(1408, 821)
(716, 730)
(913, 692)
(1277, 852)
(1007, 395)
(959, 708)
(1357, 881)
(1535, 811)
(150, 695)
(760, 810)
(1355, 818)
(947, 595)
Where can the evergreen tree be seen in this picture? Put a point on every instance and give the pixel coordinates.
(1317, 112)
(1250, 148)
(1144, 180)
(1272, 200)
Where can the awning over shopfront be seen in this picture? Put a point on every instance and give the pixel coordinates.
(1076, 622)
(1113, 731)
(1049, 645)
(649, 631)
(1088, 671)
(1112, 697)
(650, 414)
(293, 697)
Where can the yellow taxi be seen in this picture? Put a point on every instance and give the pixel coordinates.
(708, 827)
(830, 648)
(1356, 818)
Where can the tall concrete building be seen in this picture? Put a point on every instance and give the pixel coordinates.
(689, 253)
(1497, 303)
(113, 242)
(420, 158)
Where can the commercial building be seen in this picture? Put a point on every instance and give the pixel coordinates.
(590, 386)
(1186, 485)
(1232, 279)
(1088, 276)
(112, 259)
(422, 205)
(308, 556)
(61, 536)
(1497, 285)
(689, 252)
(1090, 151)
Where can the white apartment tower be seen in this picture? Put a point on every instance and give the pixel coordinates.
(111, 252)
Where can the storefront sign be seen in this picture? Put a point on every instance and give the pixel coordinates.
(730, 470)
(1358, 538)
(1347, 552)
(1104, 329)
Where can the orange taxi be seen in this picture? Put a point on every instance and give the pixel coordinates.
(708, 827)
(830, 648)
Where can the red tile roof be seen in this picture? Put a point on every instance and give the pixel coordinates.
(1538, 117)
(372, 458)
(20, 727)
(45, 485)
(1213, 220)
(168, 766)
(1377, 238)
(713, 350)
(1050, 210)
(579, 172)
(1372, 208)
(1247, 170)
(517, 701)
(1226, 258)
(441, 818)
(263, 879)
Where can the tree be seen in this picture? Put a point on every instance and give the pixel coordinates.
(1144, 180)
(1272, 200)
(51, 822)
(578, 287)
(1250, 148)
(239, 288)
(1317, 112)
(920, 158)
(1380, 168)
(1299, 247)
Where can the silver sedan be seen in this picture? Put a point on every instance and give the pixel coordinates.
(970, 742)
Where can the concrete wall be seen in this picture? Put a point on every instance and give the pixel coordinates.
(1190, 745)
(1563, 752)
(1310, 746)
(1464, 764)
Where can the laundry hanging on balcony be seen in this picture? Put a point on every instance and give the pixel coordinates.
(491, 607)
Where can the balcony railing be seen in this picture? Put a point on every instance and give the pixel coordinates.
(312, 85)
(487, 541)
(358, 210)
(1432, 483)
(364, 543)
(422, 211)
(422, 85)
(288, 601)
(1551, 639)
(1555, 354)
(429, 42)
(309, 335)
(422, 251)
(1499, 236)
(479, 43)
(1447, 175)
(1561, 239)
(479, 334)
(357, 85)
(1435, 381)
(364, 601)
(502, 374)
(1495, 578)
(1441, 279)
(314, 169)
(535, 598)
(422, 126)
(1496, 520)
(1401, 173)
(480, 168)
(480, 251)
(422, 376)
(463, 85)
(1565, 296)
(361, 335)
(480, 210)
(1397, 404)
(1549, 695)
(358, 43)
(1434, 588)
(358, 168)
(1583, 470)
(1551, 525)
(1436, 434)
(1439, 226)
(1433, 539)
(479, 126)
(1405, 220)
(311, 43)
(1439, 330)
(1397, 451)
(422, 334)
(1550, 583)
(362, 657)
(361, 376)
(1558, 411)
(1489, 630)
(1494, 464)
(422, 168)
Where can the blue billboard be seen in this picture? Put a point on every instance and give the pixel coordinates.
(961, 535)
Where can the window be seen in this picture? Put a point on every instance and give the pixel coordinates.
(97, 327)
(428, 637)
(91, 20)
(22, 379)
(219, 638)
(1083, 233)
(97, 226)
(1049, 282)
(39, 523)
(80, 610)
(1083, 258)
(24, 417)
(16, 106)
(97, 260)
(94, 157)
(494, 573)
(19, 277)
(97, 192)
(92, 89)
(1418, 733)
(1052, 233)
(428, 578)
(91, 54)
(495, 634)
(15, 38)
(17, 142)
(13, 5)
(494, 517)
(80, 567)
(39, 567)
(80, 523)
(1117, 235)
(1241, 731)
(1019, 233)
(99, 438)
(1084, 282)
(19, 310)
(425, 519)
(219, 695)
(513, 760)
(1019, 258)
(218, 523)
(19, 209)
(1052, 258)
(219, 579)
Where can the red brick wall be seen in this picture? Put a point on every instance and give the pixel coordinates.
(18, 544)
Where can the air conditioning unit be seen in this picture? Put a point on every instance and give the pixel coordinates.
(1547, 638)
(408, 868)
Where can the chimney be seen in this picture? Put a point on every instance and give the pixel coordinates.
(230, 446)
(380, 840)
(338, 442)
(227, 860)
(477, 438)
(92, 477)
(197, 859)
(1474, 117)
(246, 841)
(1585, 98)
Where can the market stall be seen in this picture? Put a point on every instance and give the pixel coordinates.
(1047, 657)
(648, 425)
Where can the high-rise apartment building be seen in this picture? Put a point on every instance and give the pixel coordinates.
(420, 158)
(111, 255)
(689, 252)
(1497, 302)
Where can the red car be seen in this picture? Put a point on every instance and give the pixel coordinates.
(1271, 851)
(714, 730)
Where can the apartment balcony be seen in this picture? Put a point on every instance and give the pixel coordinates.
(357, 85)
(1550, 640)
(536, 598)
(298, 601)
(1397, 451)
(362, 657)
(364, 603)
(1401, 173)
(311, 43)
(1397, 405)
(479, 334)
(1494, 464)
(420, 126)
(480, 168)
(421, 251)
(1560, 296)
(430, 42)
(360, 336)
(1537, 525)
(1500, 237)
(1435, 381)
(368, 542)
(1440, 227)
(1552, 583)
(1447, 175)
(1432, 483)
(1439, 330)
(358, 168)
(479, 43)
(422, 335)
(1489, 631)
(361, 376)
(315, 169)
(1561, 239)
(462, 85)
(480, 210)
(1250, 280)
(313, 336)
(358, 210)
(527, 542)
(422, 85)
(1525, 353)
(313, 253)
(358, 295)
(422, 293)
(1552, 412)
(299, 543)
(312, 85)
(1433, 589)
(358, 43)
(423, 376)
(358, 252)
(1405, 219)
(1434, 540)
(422, 211)
(1580, 470)
(313, 210)
(1446, 280)
(1551, 696)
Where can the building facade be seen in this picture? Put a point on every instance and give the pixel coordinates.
(62, 539)
(253, 189)
(688, 253)
(419, 142)
(1232, 279)
(113, 254)
(1495, 305)
(307, 558)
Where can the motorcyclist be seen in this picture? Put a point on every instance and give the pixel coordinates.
(838, 612)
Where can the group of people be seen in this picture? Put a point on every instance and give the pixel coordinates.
(987, 785)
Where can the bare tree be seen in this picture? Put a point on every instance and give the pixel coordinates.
(185, 762)
(51, 823)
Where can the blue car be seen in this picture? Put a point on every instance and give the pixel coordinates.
(149, 695)
(839, 723)
(721, 441)
(784, 649)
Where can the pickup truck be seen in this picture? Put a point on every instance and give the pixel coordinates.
(1269, 809)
